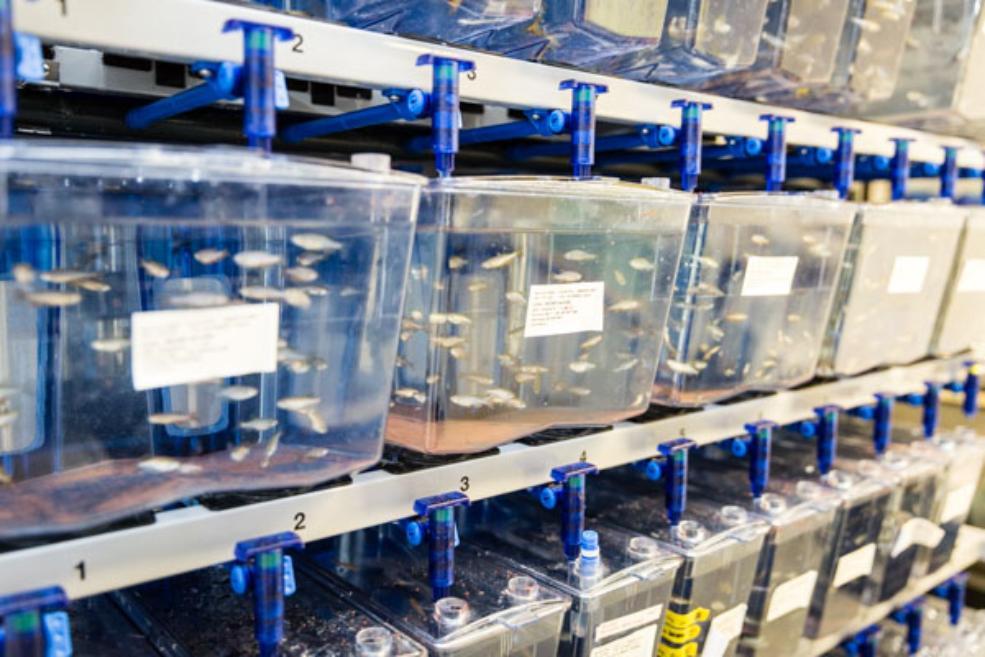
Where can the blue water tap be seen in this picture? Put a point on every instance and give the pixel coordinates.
(900, 175)
(776, 150)
(883, 416)
(675, 453)
(760, 443)
(845, 160)
(436, 520)
(931, 408)
(827, 436)
(689, 139)
(35, 625)
(949, 172)
(572, 482)
(583, 96)
(402, 105)
(972, 385)
(953, 590)
(446, 115)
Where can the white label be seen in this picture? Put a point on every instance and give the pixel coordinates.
(908, 274)
(723, 629)
(768, 277)
(628, 622)
(854, 565)
(792, 595)
(641, 643)
(917, 531)
(565, 308)
(958, 502)
(174, 347)
(972, 276)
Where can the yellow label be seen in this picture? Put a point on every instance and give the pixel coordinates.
(682, 621)
(690, 650)
(681, 634)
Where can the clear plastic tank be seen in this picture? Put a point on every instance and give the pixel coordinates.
(197, 614)
(99, 627)
(495, 610)
(967, 452)
(617, 602)
(892, 285)
(960, 323)
(531, 303)
(182, 322)
(752, 297)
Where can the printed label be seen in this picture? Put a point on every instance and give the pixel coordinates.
(972, 276)
(638, 644)
(958, 502)
(769, 276)
(565, 308)
(908, 274)
(628, 622)
(854, 565)
(723, 629)
(792, 595)
(174, 347)
(917, 531)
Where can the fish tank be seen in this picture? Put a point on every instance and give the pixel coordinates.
(896, 270)
(466, 22)
(967, 456)
(99, 627)
(752, 296)
(720, 547)
(531, 303)
(181, 322)
(198, 614)
(494, 609)
(960, 325)
(702, 39)
(617, 600)
(937, 88)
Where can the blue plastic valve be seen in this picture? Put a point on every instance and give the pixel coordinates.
(808, 157)
(972, 384)
(931, 408)
(953, 590)
(911, 615)
(440, 513)
(690, 141)
(572, 478)
(583, 95)
(883, 416)
(900, 174)
(650, 468)
(807, 428)
(27, 630)
(866, 412)
(223, 83)
(547, 497)
(827, 437)
(675, 453)
(776, 150)
(949, 172)
(649, 136)
(537, 122)
(403, 105)
(845, 160)
(760, 443)
(872, 166)
(739, 447)
(446, 115)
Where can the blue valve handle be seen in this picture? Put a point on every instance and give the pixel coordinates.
(572, 479)
(739, 447)
(872, 166)
(440, 513)
(931, 408)
(537, 122)
(260, 568)
(224, 83)
(675, 453)
(845, 160)
(446, 115)
(810, 156)
(900, 173)
(583, 96)
(404, 105)
(760, 443)
(972, 385)
(776, 150)
(735, 153)
(883, 416)
(645, 136)
(925, 170)
(23, 616)
(650, 468)
(259, 80)
(954, 591)
(827, 437)
(949, 172)
(690, 141)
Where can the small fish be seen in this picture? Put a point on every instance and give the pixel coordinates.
(437, 319)
(448, 342)
(92, 285)
(467, 401)
(456, 262)
(301, 274)
(579, 391)
(296, 404)
(348, 292)
(715, 332)
(238, 393)
(239, 454)
(316, 421)
(501, 260)
(524, 377)
(296, 297)
(515, 403)
(457, 353)
(619, 276)
(315, 242)
(577, 255)
(729, 372)
(109, 345)
(681, 368)
(706, 261)
(257, 259)
(706, 289)
(628, 365)
(199, 300)
(407, 393)
(759, 240)
(581, 366)
(316, 453)
(711, 352)
(457, 319)
(431, 380)
(516, 297)
(642, 264)
(63, 276)
(416, 315)
(171, 418)
(154, 268)
(700, 365)
(308, 258)
(534, 369)
(261, 293)
(479, 379)
(159, 465)
(272, 444)
(626, 305)
(259, 424)
(567, 277)
(736, 318)
(591, 342)
(210, 256)
(315, 290)
(745, 370)
(478, 286)
(23, 273)
(499, 394)
(410, 325)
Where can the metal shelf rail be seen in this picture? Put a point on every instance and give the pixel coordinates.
(325, 52)
(195, 537)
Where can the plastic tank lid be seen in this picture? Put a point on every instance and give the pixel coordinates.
(207, 164)
(602, 188)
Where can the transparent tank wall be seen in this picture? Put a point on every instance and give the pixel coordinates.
(892, 284)
(967, 452)
(531, 303)
(186, 322)
(961, 324)
(752, 296)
